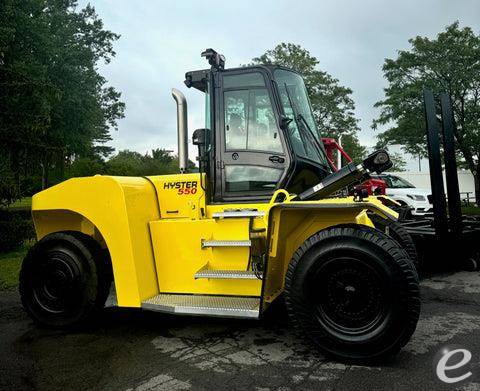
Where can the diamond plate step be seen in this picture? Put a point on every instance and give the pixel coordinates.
(224, 306)
(226, 243)
(226, 274)
(237, 214)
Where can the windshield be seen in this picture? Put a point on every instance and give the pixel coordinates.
(396, 182)
(305, 139)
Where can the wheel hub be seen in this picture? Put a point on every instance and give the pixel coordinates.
(55, 285)
(349, 295)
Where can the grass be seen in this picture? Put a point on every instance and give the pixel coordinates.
(10, 268)
(24, 203)
(471, 210)
(11, 262)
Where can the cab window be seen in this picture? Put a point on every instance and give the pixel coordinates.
(251, 178)
(249, 119)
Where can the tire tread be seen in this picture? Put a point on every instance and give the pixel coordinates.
(300, 313)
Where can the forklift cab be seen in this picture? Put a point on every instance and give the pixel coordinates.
(260, 133)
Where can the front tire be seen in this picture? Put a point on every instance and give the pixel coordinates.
(62, 282)
(353, 292)
(397, 232)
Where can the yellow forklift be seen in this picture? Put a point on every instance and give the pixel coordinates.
(262, 218)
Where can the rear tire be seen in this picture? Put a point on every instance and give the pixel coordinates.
(353, 292)
(63, 280)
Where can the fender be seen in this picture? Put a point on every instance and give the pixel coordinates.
(290, 223)
(115, 211)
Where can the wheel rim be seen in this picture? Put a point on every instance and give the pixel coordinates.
(350, 296)
(55, 286)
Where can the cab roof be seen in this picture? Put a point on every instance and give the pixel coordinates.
(198, 79)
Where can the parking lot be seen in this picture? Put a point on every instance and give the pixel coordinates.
(139, 350)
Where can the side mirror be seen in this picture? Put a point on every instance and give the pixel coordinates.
(199, 137)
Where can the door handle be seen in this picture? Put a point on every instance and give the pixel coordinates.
(276, 159)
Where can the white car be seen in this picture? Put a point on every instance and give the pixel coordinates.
(407, 194)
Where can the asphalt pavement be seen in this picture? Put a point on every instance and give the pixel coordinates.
(140, 350)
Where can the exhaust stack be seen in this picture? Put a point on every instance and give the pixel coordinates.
(182, 129)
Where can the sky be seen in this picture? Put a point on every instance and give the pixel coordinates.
(161, 40)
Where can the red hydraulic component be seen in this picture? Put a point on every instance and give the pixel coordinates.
(331, 146)
(373, 186)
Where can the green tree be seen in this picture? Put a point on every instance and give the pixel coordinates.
(159, 162)
(332, 104)
(56, 107)
(450, 63)
(85, 166)
(7, 181)
(131, 163)
(126, 163)
(352, 146)
(399, 163)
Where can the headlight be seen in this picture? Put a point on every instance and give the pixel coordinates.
(416, 197)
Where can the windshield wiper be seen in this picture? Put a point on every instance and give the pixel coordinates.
(306, 126)
(302, 122)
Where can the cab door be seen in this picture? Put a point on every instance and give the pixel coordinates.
(252, 159)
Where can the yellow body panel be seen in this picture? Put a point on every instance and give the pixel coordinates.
(153, 228)
(119, 210)
(179, 255)
(180, 195)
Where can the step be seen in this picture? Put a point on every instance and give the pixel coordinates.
(226, 243)
(226, 274)
(224, 306)
(237, 214)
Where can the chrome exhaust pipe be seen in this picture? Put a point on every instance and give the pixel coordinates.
(182, 129)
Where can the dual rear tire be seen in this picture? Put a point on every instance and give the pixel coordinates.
(354, 292)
